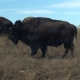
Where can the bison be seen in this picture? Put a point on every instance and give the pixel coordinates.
(40, 32)
(5, 25)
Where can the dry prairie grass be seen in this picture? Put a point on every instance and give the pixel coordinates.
(17, 64)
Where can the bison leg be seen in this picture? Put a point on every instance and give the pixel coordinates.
(34, 50)
(66, 46)
(64, 55)
(44, 50)
(69, 46)
(72, 49)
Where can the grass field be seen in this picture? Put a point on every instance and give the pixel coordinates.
(17, 64)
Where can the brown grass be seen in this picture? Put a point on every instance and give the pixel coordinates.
(17, 64)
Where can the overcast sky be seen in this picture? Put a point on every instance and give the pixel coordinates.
(67, 10)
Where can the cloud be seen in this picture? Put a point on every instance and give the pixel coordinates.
(67, 4)
(7, 11)
(35, 12)
(6, 0)
(23, 11)
(72, 13)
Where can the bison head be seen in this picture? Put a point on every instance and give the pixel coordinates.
(6, 29)
(5, 25)
(16, 32)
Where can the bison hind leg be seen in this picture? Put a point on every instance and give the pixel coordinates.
(64, 55)
(68, 46)
(44, 50)
(72, 49)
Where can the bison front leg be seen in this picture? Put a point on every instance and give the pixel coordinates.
(34, 50)
(44, 50)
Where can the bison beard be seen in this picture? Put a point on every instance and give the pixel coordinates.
(42, 32)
